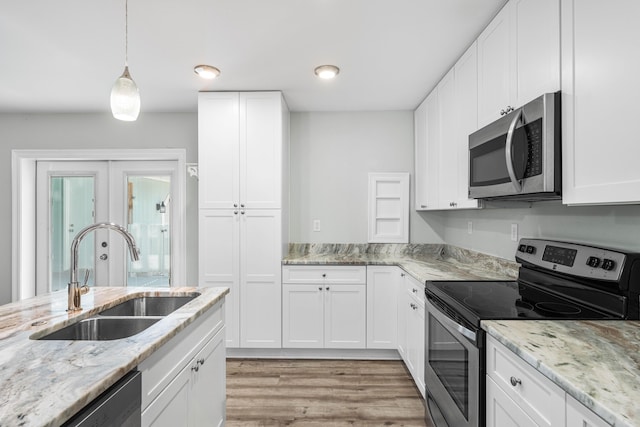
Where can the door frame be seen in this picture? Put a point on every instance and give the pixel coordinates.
(23, 207)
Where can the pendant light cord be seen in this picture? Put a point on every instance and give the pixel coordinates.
(126, 33)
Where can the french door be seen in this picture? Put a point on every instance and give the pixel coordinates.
(71, 195)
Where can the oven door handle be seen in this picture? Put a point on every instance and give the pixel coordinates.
(452, 324)
(508, 152)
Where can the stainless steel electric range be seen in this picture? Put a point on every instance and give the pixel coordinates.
(557, 280)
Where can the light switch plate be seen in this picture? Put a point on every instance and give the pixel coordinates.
(316, 225)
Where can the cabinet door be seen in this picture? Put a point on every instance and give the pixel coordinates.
(502, 411)
(448, 152)
(219, 262)
(427, 158)
(218, 150)
(600, 89)
(171, 407)
(579, 415)
(382, 306)
(403, 311)
(415, 341)
(536, 34)
(207, 396)
(303, 316)
(345, 316)
(466, 84)
(260, 278)
(495, 68)
(261, 149)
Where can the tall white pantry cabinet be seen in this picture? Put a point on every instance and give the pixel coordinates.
(243, 149)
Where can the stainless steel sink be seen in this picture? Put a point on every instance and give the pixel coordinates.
(102, 329)
(149, 306)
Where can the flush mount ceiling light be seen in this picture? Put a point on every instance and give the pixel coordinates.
(206, 71)
(326, 71)
(125, 97)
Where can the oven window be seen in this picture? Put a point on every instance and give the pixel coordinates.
(450, 361)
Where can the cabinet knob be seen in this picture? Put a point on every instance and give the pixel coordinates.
(413, 306)
(324, 274)
(242, 212)
(320, 288)
(515, 381)
(195, 368)
(423, 206)
(502, 112)
(401, 274)
(414, 290)
(242, 205)
(201, 361)
(509, 109)
(327, 288)
(235, 212)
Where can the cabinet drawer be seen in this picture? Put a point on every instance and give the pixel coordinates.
(415, 288)
(159, 369)
(324, 274)
(537, 395)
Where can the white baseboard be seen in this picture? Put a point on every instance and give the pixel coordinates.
(312, 353)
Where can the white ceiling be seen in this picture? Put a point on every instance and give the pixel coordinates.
(64, 55)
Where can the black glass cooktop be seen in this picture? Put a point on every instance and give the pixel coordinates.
(487, 300)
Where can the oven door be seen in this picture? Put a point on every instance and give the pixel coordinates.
(452, 371)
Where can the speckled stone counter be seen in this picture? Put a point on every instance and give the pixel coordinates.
(597, 362)
(423, 262)
(43, 383)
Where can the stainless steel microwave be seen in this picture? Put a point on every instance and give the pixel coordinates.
(518, 156)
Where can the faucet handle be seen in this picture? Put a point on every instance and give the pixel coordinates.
(87, 273)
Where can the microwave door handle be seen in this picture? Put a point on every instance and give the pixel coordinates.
(508, 152)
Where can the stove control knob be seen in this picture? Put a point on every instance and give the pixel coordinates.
(608, 264)
(522, 248)
(593, 261)
(531, 250)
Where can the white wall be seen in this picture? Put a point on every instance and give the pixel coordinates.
(331, 156)
(53, 131)
(612, 226)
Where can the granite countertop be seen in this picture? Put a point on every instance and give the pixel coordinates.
(43, 383)
(596, 362)
(422, 261)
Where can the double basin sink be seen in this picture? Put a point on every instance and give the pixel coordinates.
(123, 320)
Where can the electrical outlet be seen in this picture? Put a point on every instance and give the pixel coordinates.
(316, 225)
(469, 227)
(514, 232)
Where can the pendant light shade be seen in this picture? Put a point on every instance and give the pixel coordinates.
(125, 98)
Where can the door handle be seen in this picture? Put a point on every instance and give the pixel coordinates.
(508, 152)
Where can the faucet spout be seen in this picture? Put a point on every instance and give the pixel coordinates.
(75, 291)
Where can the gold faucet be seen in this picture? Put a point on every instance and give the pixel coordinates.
(75, 291)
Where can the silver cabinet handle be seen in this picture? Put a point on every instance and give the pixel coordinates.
(327, 288)
(515, 381)
(242, 212)
(414, 290)
(235, 212)
(242, 205)
(320, 288)
(413, 306)
(195, 368)
(508, 152)
(200, 361)
(235, 205)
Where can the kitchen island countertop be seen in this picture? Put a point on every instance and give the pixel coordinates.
(44, 383)
(596, 362)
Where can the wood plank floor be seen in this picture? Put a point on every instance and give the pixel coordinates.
(265, 392)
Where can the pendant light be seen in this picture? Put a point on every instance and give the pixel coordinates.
(125, 97)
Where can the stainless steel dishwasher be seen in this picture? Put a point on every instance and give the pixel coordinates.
(119, 406)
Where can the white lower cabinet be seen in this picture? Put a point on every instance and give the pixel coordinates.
(184, 382)
(579, 415)
(382, 306)
(520, 396)
(320, 311)
(411, 328)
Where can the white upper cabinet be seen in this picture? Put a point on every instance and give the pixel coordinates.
(241, 142)
(466, 85)
(427, 134)
(599, 104)
(443, 123)
(218, 149)
(518, 57)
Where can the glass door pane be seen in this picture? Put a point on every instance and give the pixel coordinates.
(72, 209)
(148, 220)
